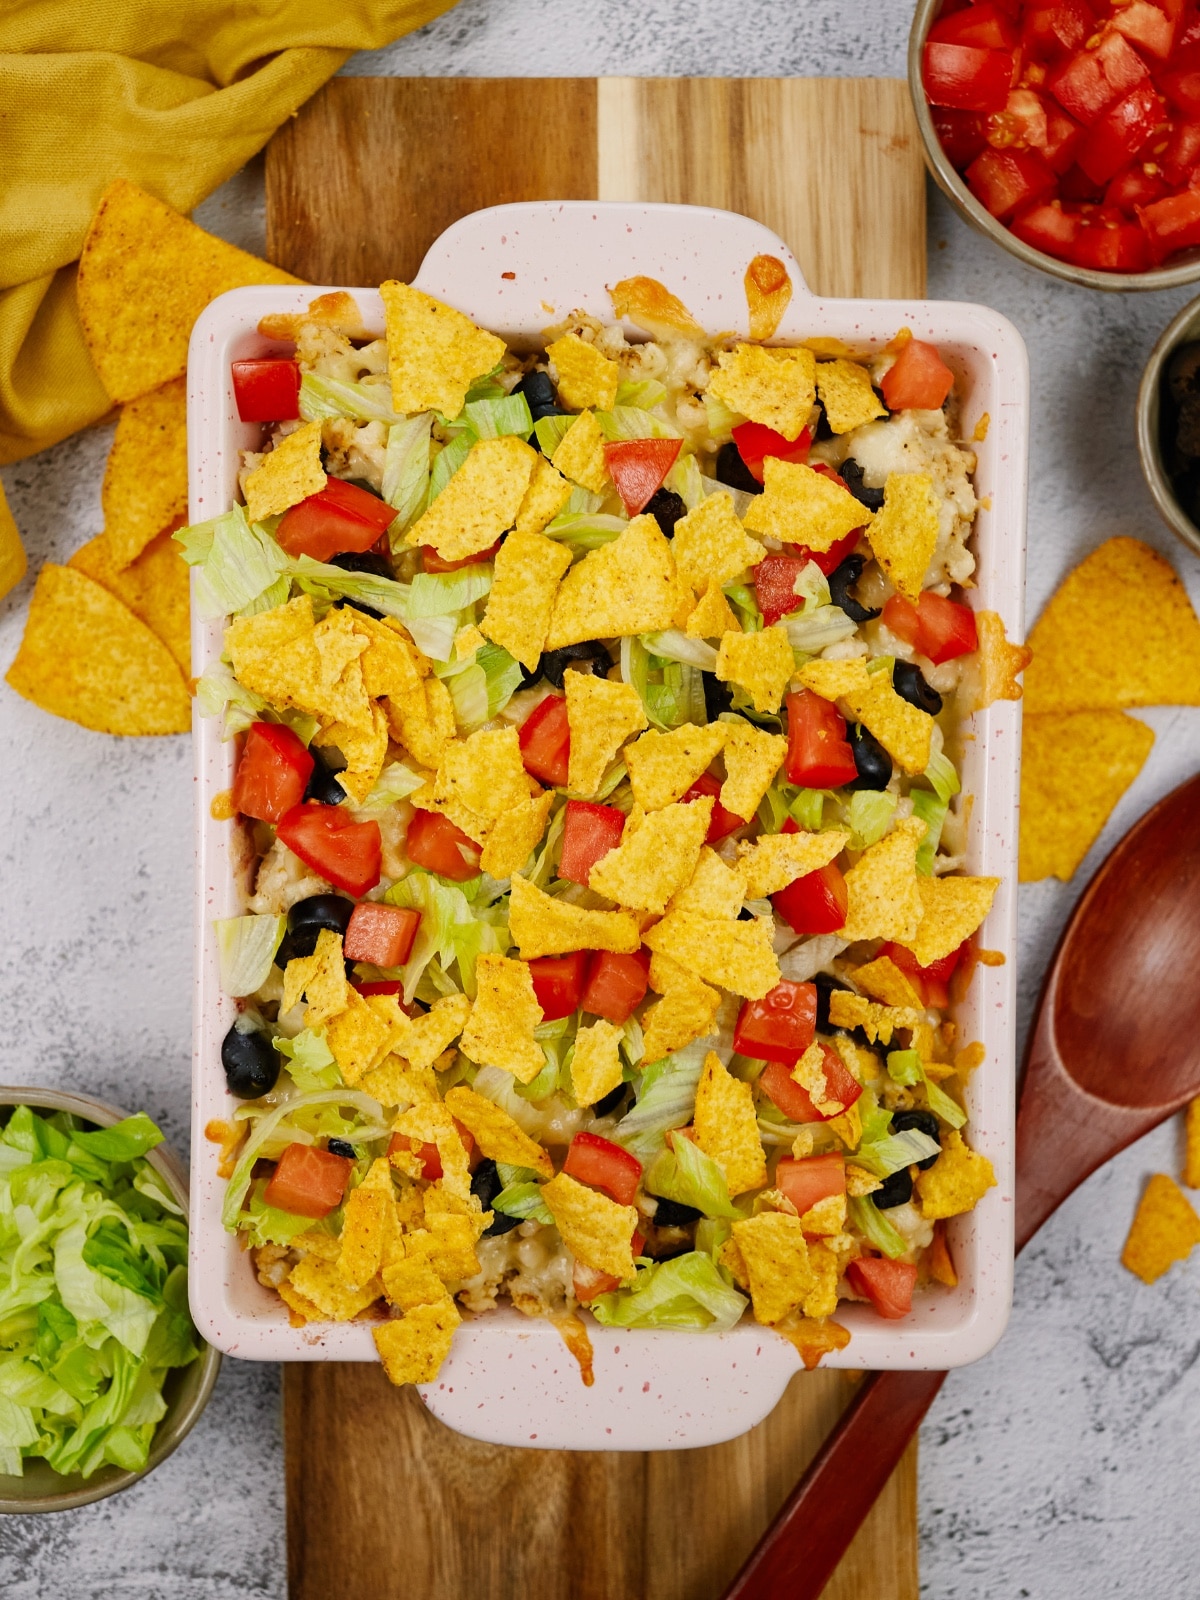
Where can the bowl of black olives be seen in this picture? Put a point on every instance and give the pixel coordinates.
(1168, 425)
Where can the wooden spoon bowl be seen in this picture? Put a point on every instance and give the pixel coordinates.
(1113, 1053)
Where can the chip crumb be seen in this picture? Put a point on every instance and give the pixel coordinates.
(877, 1021)
(1165, 1229)
(652, 306)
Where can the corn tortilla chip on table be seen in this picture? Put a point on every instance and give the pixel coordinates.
(107, 641)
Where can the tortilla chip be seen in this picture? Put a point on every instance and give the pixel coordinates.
(358, 1036)
(951, 910)
(411, 1281)
(904, 532)
(809, 1073)
(288, 474)
(601, 716)
(662, 767)
(413, 1347)
(499, 1031)
(959, 1179)
(481, 777)
(499, 1138)
(528, 569)
(145, 275)
(1191, 1162)
(768, 295)
(686, 1012)
(752, 758)
(145, 480)
(1075, 766)
(547, 494)
(434, 353)
(585, 377)
(86, 657)
(12, 551)
(713, 890)
(776, 859)
(1119, 632)
(997, 663)
(883, 980)
(712, 615)
(904, 731)
(760, 663)
(732, 955)
(323, 1286)
(801, 506)
(878, 1022)
(775, 1255)
(652, 306)
(774, 387)
(337, 311)
(481, 500)
(595, 1229)
(396, 1082)
(628, 586)
(430, 1122)
(422, 1039)
(320, 977)
(448, 1244)
(846, 393)
(514, 834)
(580, 454)
(155, 588)
(710, 545)
(883, 897)
(727, 1126)
(847, 1127)
(365, 1227)
(655, 857)
(423, 722)
(541, 925)
(596, 1064)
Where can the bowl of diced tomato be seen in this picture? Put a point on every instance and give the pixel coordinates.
(1068, 131)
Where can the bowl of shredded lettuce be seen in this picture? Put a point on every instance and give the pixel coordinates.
(102, 1372)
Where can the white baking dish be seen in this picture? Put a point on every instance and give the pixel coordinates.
(510, 1379)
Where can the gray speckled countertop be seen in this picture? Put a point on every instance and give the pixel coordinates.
(1064, 1463)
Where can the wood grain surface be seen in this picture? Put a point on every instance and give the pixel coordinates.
(384, 1501)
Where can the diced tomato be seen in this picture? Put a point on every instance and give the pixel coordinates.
(1172, 223)
(590, 831)
(1054, 27)
(1134, 187)
(436, 843)
(380, 934)
(1115, 138)
(755, 442)
(967, 78)
(793, 1099)
(723, 822)
(981, 24)
(1076, 188)
(272, 772)
(819, 756)
(616, 985)
(388, 986)
(936, 627)
(1112, 247)
(545, 738)
(603, 1165)
(345, 853)
(1023, 122)
(266, 391)
(931, 982)
(1178, 161)
(1063, 134)
(1181, 84)
(341, 517)
(1147, 27)
(774, 585)
(888, 1285)
(638, 467)
(817, 902)
(432, 562)
(811, 1179)
(1047, 227)
(558, 983)
(960, 134)
(1004, 180)
(307, 1181)
(918, 379)
(827, 560)
(780, 1026)
(590, 1283)
(430, 1155)
(1092, 80)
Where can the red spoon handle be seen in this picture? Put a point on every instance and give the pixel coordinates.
(798, 1553)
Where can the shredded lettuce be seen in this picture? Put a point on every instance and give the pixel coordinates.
(812, 631)
(469, 692)
(684, 1173)
(364, 401)
(721, 420)
(310, 1061)
(676, 646)
(406, 471)
(503, 675)
(932, 812)
(239, 562)
(671, 692)
(812, 586)
(630, 422)
(685, 1292)
(523, 1200)
(450, 928)
(584, 530)
(396, 782)
(870, 814)
(493, 418)
(907, 1068)
(875, 1227)
(438, 594)
(904, 1067)
(808, 809)
(686, 480)
(328, 582)
(217, 691)
(745, 602)
(882, 1157)
(448, 462)
(942, 776)
(301, 1118)
(549, 432)
(246, 948)
(666, 1099)
(645, 393)
(434, 636)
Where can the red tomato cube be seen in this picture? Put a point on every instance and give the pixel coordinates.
(793, 1098)
(888, 1285)
(966, 77)
(339, 518)
(1092, 80)
(267, 390)
(1172, 223)
(979, 24)
(780, 1026)
(439, 845)
(1052, 28)
(1003, 180)
(545, 739)
(346, 853)
(1115, 138)
(307, 1181)
(590, 831)
(638, 467)
(960, 134)
(616, 985)
(272, 772)
(918, 379)
(817, 902)
(380, 934)
(808, 1181)
(827, 560)
(558, 983)
(723, 822)
(755, 442)
(1047, 227)
(775, 586)
(818, 755)
(1147, 27)
(604, 1165)
(938, 628)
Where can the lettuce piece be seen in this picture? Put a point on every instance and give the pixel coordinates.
(503, 674)
(631, 422)
(882, 1157)
(941, 774)
(406, 471)
(238, 563)
(721, 420)
(812, 631)
(329, 583)
(686, 480)
(550, 432)
(941, 1104)
(309, 1061)
(673, 645)
(523, 1200)
(645, 393)
(450, 928)
(124, 1141)
(246, 949)
(744, 601)
(869, 814)
(434, 636)
(666, 1099)
(812, 586)
(874, 1226)
(932, 812)
(396, 782)
(686, 1292)
(807, 809)
(584, 530)
(469, 692)
(439, 594)
(684, 1173)
(322, 398)
(904, 1067)
(495, 417)
(448, 461)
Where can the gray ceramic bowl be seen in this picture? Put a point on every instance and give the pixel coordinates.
(1185, 270)
(186, 1390)
(1185, 327)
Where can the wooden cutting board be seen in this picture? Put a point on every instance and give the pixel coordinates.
(383, 1500)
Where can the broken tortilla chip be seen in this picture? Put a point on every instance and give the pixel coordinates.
(655, 857)
(904, 531)
(86, 657)
(595, 1229)
(499, 1031)
(585, 376)
(155, 588)
(760, 663)
(337, 311)
(752, 758)
(12, 551)
(287, 474)
(596, 1064)
(514, 834)
(580, 454)
(601, 716)
(777, 859)
(727, 1126)
(846, 393)
(1075, 766)
(713, 890)
(687, 1011)
(881, 887)
(145, 486)
(662, 767)
(712, 615)
(434, 352)
(628, 586)
(774, 1254)
(710, 545)
(774, 387)
(952, 908)
(547, 494)
(801, 506)
(730, 955)
(481, 500)
(528, 570)
(958, 1180)
(499, 1138)
(542, 925)
(413, 1347)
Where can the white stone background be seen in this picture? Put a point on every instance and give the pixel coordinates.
(1062, 1464)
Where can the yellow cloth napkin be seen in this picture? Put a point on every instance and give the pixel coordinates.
(173, 94)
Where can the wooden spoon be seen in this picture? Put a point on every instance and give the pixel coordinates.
(1112, 1055)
